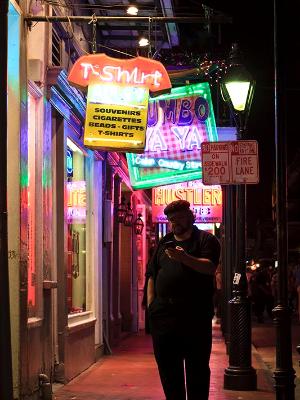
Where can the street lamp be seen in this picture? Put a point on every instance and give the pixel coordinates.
(121, 211)
(237, 89)
(132, 8)
(138, 225)
(129, 215)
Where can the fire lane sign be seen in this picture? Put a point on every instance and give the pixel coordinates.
(230, 163)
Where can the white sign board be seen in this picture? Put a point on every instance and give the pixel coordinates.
(230, 163)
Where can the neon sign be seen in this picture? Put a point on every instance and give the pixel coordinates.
(117, 101)
(206, 201)
(69, 163)
(177, 125)
(165, 163)
(120, 75)
(137, 71)
(76, 202)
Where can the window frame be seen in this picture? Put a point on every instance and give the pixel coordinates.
(88, 315)
(35, 319)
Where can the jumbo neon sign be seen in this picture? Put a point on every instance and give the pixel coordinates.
(165, 163)
(177, 125)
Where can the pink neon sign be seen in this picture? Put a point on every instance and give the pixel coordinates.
(206, 201)
(76, 192)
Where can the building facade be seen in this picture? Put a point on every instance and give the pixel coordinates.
(75, 271)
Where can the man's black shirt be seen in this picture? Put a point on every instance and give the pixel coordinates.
(179, 282)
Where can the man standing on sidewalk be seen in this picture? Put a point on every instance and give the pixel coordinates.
(180, 301)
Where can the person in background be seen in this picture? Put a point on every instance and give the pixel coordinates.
(218, 293)
(292, 287)
(262, 293)
(274, 285)
(249, 275)
(297, 285)
(180, 304)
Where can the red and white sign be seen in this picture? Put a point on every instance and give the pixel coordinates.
(230, 163)
(206, 202)
(137, 71)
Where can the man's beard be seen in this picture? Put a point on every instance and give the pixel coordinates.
(180, 230)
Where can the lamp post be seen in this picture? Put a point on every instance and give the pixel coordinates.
(237, 89)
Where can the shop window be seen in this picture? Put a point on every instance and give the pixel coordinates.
(162, 230)
(31, 203)
(76, 228)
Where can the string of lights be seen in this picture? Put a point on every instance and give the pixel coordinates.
(197, 65)
(211, 70)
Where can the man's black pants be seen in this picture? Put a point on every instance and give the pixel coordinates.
(182, 350)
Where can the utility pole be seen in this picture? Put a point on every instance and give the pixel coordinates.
(6, 392)
(284, 373)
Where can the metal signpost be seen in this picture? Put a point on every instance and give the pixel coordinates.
(236, 163)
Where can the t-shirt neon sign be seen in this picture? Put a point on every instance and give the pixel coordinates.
(117, 102)
(137, 71)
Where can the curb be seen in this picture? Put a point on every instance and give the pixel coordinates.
(267, 371)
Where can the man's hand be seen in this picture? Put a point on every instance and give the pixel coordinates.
(177, 254)
(202, 265)
(150, 291)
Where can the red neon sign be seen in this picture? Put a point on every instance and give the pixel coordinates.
(205, 201)
(138, 71)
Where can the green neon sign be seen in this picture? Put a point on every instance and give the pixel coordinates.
(178, 123)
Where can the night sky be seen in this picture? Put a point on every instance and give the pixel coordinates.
(252, 29)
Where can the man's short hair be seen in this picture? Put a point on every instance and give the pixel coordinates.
(176, 206)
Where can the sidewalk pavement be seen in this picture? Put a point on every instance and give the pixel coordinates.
(131, 374)
(264, 342)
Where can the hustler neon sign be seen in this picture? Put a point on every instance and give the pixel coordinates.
(205, 201)
(196, 196)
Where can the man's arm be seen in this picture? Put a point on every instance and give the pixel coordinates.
(202, 265)
(150, 291)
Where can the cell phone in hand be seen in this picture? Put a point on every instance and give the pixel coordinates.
(170, 244)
